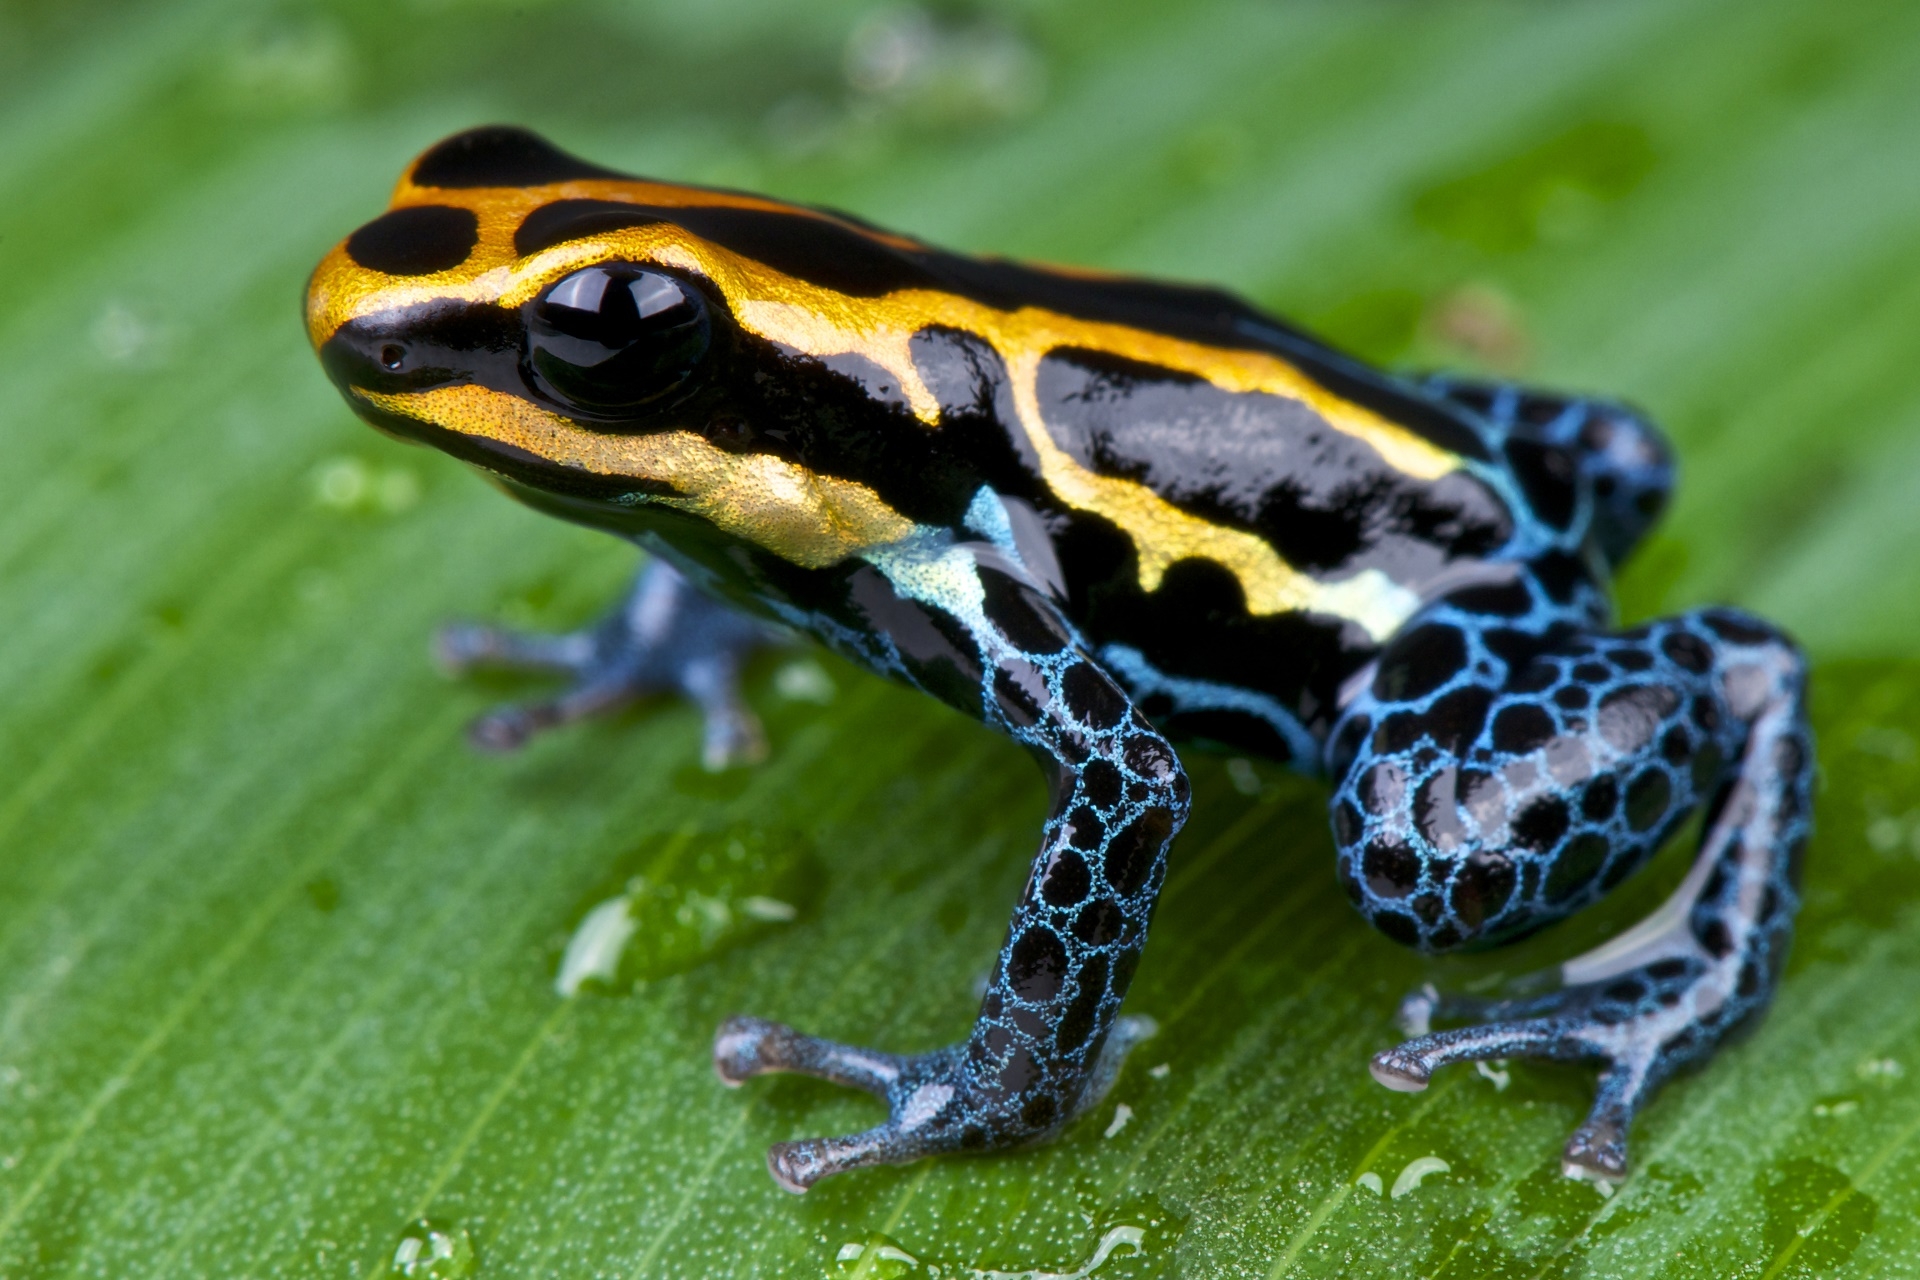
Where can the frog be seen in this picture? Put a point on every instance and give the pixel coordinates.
(1108, 517)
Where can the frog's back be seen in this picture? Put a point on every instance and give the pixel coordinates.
(1242, 515)
(1229, 505)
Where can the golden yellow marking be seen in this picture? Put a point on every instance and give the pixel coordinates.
(768, 501)
(340, 289)
(808, 519)
(1164, 534)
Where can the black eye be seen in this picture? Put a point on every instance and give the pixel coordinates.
(392, 357)
(610, 339)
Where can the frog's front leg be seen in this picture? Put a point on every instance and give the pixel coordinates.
(666, 635)
(1047, 1042)
(1507, 768)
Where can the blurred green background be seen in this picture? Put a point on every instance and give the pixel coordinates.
(278, 953)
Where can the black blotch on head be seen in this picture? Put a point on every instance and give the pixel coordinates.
(565, 220)
(1518, 649)
(500, 156)
(1420, 661)
(416, 241)
(821, 250)
(1436, 810)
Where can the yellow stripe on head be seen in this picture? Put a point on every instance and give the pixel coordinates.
(811, 520)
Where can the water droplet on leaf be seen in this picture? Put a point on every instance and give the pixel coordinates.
(430, 1250)
(684, 898)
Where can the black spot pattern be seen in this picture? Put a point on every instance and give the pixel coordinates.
(500, 156)
(415, 241)
(1512, 795)
(1595, 750)
(1076, 934)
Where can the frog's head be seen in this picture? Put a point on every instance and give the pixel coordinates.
(579, 333)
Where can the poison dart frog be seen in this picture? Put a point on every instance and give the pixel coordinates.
(1103, 515)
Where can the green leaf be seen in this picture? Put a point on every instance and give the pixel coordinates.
(279, 953)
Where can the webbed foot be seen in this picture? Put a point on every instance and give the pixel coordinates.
(1643, 1024)
(664, 636)
(936, 1102)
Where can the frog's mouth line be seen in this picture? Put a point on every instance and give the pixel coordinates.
(500, 457)
(810, 519)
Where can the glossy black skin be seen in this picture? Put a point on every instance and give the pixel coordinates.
(1500, 760)
(1328, 503)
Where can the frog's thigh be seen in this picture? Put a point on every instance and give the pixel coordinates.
(1491, 794)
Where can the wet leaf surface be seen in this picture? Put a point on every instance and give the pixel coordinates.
(278, 953)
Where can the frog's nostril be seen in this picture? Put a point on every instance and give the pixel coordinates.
(392, 356)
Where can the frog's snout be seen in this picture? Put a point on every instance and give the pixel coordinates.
(370, 357)
(414, 351)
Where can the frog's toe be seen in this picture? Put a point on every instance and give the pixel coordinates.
(507, 728)
(665, 637)
(1642, 1024)
(935, 1104)
(921, 1093)
(461, 648)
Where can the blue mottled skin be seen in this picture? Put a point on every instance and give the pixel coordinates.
(1096, 512)
(1509, 760)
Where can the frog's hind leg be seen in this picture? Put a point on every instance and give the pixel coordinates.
(1497, 782)
(664, 636)
(1625, 458)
